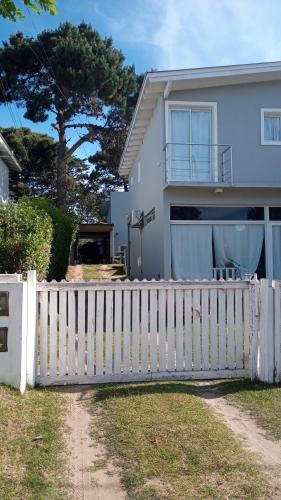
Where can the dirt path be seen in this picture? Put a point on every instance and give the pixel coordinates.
(252, 437)
(92, 475)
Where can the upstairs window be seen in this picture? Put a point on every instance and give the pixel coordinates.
(271, 126)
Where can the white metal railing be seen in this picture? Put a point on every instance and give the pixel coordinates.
(224, 273)
(198, 163)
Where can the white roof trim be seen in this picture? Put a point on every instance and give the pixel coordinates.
(8, 156)
(162, 82)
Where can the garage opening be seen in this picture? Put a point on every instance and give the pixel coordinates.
(94, 244)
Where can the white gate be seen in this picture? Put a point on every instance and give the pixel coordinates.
(97, 332)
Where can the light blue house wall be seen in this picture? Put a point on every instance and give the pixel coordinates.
(256, 168)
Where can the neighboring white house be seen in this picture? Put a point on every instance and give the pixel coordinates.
(203, 162)
(7, 162)
(116, 210)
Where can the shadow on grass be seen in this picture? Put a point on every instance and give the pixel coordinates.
(209, 390)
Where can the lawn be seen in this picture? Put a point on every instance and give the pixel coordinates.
(262, 401)
(86, 272)
(169, 445)
(31, 445)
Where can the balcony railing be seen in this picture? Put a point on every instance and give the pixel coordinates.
(198, 163)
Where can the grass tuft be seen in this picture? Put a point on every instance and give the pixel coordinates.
(32, 463)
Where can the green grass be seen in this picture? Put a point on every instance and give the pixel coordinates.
(261, 401)
(94, 272)
(32, 462)
(169, 444)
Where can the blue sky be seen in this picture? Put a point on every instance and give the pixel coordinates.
(166, 34)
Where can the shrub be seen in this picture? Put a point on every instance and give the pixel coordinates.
(64, 231)
(25, 239)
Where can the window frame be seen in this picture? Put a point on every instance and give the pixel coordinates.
(211, 106)
(272, 112)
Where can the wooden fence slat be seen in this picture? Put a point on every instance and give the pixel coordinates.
(205, 329)
(196, 330)
(162, 330)
(246, 329)
(81, 332)
(136, 332)
(71, 333)
(239, 329)
(43, 333)
(62, 333)
(171, 329)
(230, 329)
(153, 330)
(91, 333)
(222, 329)
(53, 333)
(214, 328)
(99, 333)
(179, 330)
(127, 331)
(108, 332)
(188, 329)
(117, 330)
(144, 331)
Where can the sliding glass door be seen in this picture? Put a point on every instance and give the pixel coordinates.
(190, 145)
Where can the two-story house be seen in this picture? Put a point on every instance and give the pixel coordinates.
(203, 158)
(7, 162)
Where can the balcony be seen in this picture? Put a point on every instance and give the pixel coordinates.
(198, 164)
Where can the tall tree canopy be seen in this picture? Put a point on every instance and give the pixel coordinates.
(112, 141)
(72, 75)
(11, 11)
(37, 156)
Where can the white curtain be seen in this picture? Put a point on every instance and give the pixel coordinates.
(276, 250)
(200, 134)
(272, 129)
(192, 256)
(179, 149)
(238, 246)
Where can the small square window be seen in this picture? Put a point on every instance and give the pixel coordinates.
(271, 126)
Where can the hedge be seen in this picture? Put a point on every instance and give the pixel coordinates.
(64, 232)
(25, 239)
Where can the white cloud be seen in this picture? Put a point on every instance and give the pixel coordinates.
(190, 33)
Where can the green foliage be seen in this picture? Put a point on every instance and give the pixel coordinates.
(36, 154)
(25, 239)
(9, 9)
(112, 141)
(64, 231)
(65, 74)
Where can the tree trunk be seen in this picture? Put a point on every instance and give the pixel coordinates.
(61, 200)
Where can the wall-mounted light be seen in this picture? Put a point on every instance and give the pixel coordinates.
(3, 339)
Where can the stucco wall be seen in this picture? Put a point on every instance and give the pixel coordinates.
(239, 124)
(4, 182)
(146, 246)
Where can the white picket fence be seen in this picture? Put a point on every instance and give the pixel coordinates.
(98, 332)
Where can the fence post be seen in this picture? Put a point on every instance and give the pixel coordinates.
(31, 328)
(277, 330)
(266, 344)
(254, 300)
(13, 324)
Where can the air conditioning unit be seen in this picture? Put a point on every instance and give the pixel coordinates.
(136, 218)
